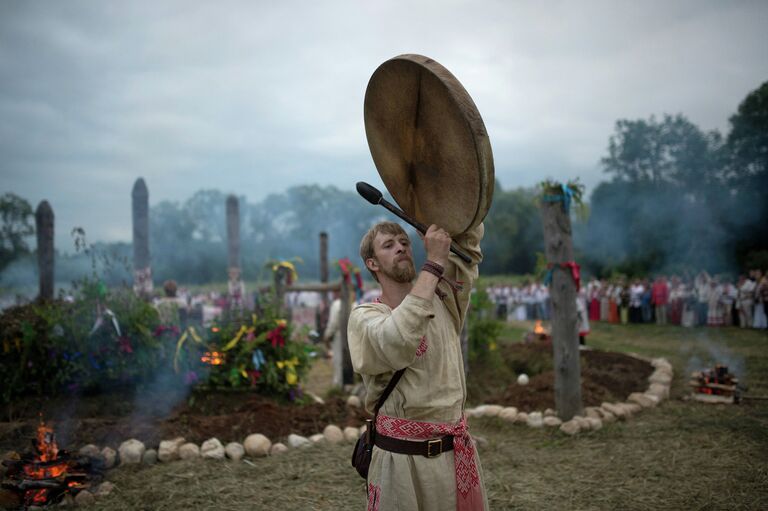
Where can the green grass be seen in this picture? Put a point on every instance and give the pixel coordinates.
(680, 455)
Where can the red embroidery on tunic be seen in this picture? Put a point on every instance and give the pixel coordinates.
(467, 477)
(422, 347)
(374, 496)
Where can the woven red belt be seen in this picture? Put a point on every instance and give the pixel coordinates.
(469, 495)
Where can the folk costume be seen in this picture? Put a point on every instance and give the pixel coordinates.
(428, 402)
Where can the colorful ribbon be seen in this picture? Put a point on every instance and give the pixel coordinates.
(292, 273)
(189, 332)
(575, 272)
(290, 369)
(566, 197)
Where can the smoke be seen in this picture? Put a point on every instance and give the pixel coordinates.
(704, 353)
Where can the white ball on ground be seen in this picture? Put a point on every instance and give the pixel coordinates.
(522, 379)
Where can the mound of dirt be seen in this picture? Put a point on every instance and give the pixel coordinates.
(231, 416)
(605, 376)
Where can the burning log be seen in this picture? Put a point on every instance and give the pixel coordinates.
(47, 474)
(715, 386)
(539, 333)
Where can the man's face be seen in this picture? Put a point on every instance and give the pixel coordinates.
(393, 257)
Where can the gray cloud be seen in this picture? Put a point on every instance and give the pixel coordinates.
(253, 97)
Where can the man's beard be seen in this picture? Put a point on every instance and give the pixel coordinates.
(401, 275)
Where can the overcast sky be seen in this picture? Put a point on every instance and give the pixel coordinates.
(253, 97)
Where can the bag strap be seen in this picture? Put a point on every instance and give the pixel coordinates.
(384, 395)
(388, 390)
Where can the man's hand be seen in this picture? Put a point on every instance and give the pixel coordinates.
(437, 244)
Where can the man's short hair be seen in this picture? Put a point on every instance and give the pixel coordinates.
(366, 244)
(169, 286)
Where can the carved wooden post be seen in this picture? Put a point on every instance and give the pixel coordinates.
(558, 248)
(324, 257)
(142, 272)
(321, 318)
(235, 284)
(279, 278)
(347, 373)
(45, 254)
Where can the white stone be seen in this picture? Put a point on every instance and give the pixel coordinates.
(633, 408)
(552, 422)
(594, 423)
(549, 412)
(257, 445)
(234, 451)
(658, 389)
(608, 417)
(169, 449)
(617, 411)
(89, 450)
(661, 363)
(317, 438)
(131, 452)
(660, 377)
(189, 451)
(150, 457)
(592, 411)
(508, 413)
(583, 423)
(212, 449)
(521, 418)
(104, 489)
(84, 498)
(333, 434)
(296, 441)
(353, 401)
(480, 441)
(479, 411)
(471, 412)
(362, 429)
(654, 398)
(493, 410)
(535, 420)
(570, 427)
(110, 456)
(351, 434)
(641, 399)
(523, 379)
(278, 448)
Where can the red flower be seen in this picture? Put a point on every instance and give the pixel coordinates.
(125, 344)
(254, 376)
(276, 336)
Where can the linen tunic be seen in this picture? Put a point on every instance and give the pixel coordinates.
(422, 336)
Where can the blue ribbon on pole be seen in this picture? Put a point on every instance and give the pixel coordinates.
(548, 276)
(566, 198)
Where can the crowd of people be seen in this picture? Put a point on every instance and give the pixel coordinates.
(703, 300)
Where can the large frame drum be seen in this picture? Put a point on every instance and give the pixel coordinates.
(429, 143)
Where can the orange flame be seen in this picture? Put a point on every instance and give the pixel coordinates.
(47, 451)
(538, 329)
(212, 357)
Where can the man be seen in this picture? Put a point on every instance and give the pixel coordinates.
(746, 300)
(415, 325)
(659, 298)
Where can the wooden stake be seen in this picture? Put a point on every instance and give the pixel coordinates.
(558, 248)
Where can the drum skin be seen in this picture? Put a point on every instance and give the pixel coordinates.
(429, 143)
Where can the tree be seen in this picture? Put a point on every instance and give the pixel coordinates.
(16, 214)
(747, 173)
(665, 206)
